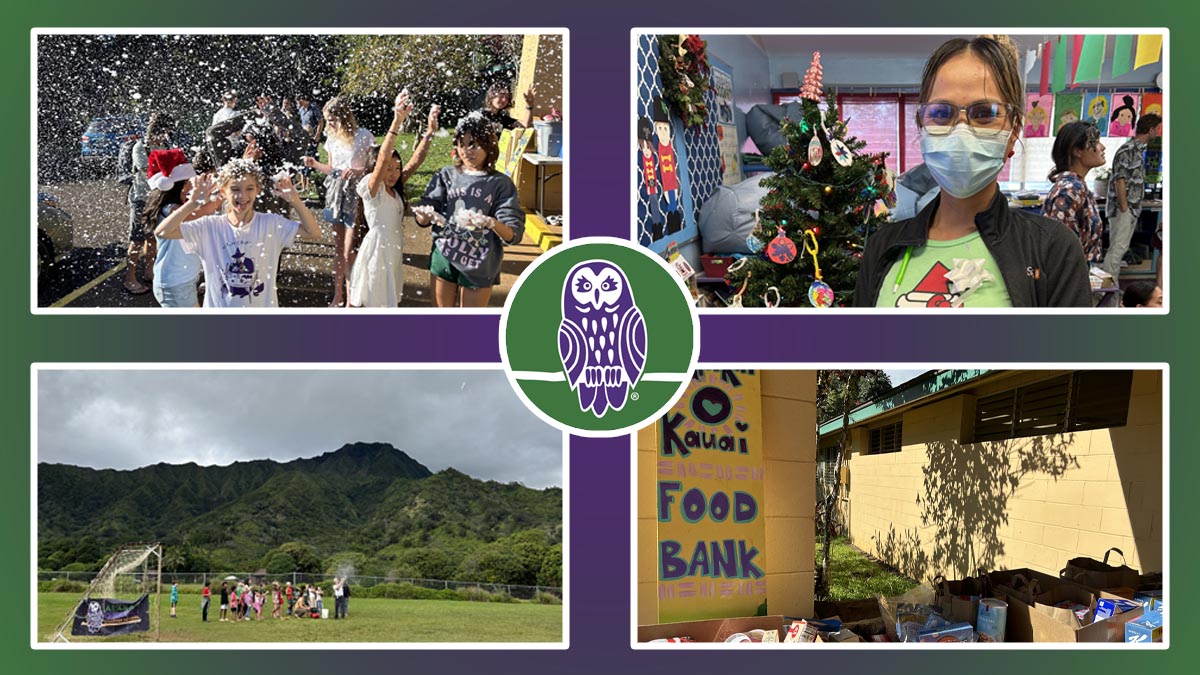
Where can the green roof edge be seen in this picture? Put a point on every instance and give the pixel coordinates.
(931, 383)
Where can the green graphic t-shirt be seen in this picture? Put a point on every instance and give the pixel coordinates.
(955, 273)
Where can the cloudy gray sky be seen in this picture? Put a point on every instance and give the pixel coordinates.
(470, 420)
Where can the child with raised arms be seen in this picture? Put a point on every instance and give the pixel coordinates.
(377, 277)
(240, 248)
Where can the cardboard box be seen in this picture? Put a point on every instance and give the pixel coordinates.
(709, 630)
(1106, 607)
(1151, 600)
(1148, 628)
(1046, 621)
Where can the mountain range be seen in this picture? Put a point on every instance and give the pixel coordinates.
(369, 501)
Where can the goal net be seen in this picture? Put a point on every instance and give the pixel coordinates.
(123, 598)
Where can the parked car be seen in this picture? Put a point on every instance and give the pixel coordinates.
(104, 136)
(56, 235)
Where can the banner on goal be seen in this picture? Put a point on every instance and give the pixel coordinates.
(105, 616)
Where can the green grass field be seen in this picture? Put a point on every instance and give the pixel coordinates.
(370, 621)
(854, 575)
(439, 156)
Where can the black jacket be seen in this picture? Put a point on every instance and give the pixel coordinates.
(1040, 259)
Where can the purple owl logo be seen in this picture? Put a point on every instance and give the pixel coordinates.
(602, 337)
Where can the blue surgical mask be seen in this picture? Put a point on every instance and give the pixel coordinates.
(963, 163)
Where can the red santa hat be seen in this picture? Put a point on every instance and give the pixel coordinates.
(167, 167)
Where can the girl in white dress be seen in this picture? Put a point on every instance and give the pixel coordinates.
(348, 147)
(377, 276)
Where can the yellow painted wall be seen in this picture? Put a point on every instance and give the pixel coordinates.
(789, 416)
(942, 506)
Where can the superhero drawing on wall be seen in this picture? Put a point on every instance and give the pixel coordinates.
(1124, 117)
(668, 167)
(650, 182)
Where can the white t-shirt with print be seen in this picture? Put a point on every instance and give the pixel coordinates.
(240, 263)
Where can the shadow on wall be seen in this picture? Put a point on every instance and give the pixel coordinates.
(964, 502)
(902, 550)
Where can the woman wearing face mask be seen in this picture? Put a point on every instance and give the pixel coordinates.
(967, 248)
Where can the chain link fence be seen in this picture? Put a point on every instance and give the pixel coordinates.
(518, 591)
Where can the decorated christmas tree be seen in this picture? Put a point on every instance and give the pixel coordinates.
(821, 206)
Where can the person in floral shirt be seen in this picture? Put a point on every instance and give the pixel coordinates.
(1126, 189)
(1077, 150)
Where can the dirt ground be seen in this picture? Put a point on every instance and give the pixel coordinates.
(100, 219)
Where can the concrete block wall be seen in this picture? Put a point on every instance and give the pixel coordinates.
(1030, 502)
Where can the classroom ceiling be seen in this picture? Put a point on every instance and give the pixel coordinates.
(898, 46)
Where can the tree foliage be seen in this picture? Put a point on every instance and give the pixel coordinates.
(831, 390)
(451, 70)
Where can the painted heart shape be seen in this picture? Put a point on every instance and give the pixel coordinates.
(711, 408)
(741, 426)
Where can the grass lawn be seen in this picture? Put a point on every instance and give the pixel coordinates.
(437, 157)
(370, 620)
(853, 575)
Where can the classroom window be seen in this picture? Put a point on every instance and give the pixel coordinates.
(1075, 402)
(888, 438)
(874, 119)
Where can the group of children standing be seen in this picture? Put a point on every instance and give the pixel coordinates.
(204, 218)
(245, 601)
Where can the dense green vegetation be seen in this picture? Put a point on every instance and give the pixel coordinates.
(366, 507)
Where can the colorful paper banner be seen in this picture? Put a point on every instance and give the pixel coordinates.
(1090, 58)
(1045, 79)
(1149, 47)
(1076, 51)
(1060, 65)
(1122, 51)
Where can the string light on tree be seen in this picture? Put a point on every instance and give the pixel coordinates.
(830, 206)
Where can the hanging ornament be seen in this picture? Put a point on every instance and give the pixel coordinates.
(889, 183)
(828, 189)
(806, 167)
(735, 300)
(766, 297)
(841, 153)
(819, 293)
(782, 250)
(753, 243)
(815, 152)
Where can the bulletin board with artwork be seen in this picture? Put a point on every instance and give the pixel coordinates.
(676, 168)
(728, 143)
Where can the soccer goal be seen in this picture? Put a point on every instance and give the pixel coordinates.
(125, 596)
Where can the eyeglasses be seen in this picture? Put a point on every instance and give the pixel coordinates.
(985, 118)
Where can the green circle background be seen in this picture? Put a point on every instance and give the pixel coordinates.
(531, 335)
